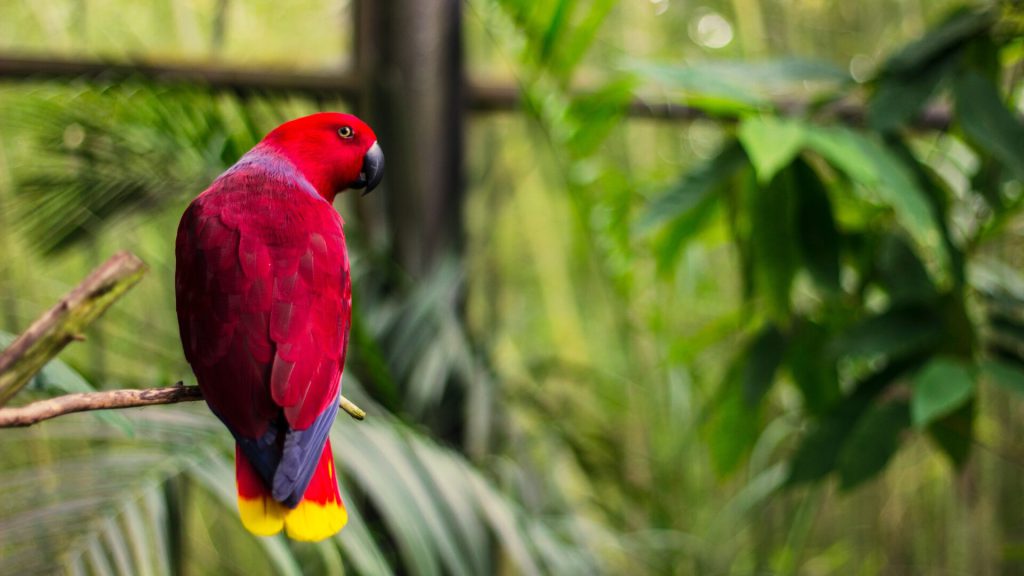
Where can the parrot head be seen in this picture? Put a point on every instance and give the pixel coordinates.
(333, 151)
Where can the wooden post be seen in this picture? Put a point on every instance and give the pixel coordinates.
(409, 64)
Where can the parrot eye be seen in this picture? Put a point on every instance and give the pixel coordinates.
(346, 132)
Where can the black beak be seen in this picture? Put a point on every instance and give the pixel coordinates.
(373, 170)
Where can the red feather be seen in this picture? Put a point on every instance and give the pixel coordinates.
(251, 298)
(264, 308)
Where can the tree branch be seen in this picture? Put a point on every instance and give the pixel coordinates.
(36, 412)
(65, 322)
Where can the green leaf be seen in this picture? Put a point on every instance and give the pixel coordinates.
(572, 45)
(942, 386)
(871, 165)
(1004, 374)
(703, 87)
(773, 242)
(694, 186)
(740, 85)
(894, 333)
(901, 273)
(776, 73)
(987, 121)
(813, 368)
(872, 443)
(681, 230)
(953, 433)
(899, 97)
(597, 113)
(771, 143)
(733, 425)
(760, 362)
(958, 29)
(819, 452)
(817, 233)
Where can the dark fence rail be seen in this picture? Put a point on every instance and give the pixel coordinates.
(479, 97)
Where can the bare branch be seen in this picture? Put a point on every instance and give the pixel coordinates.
(66, 321)
(114, 400)
(63, 324)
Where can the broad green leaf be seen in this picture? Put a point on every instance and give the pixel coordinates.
(983, 55)
(894, 333)
(775, 73)
(1004, 374)
(773, 242)
(901, 273)
(816, 230)
(681, 230)
(574, 42)
(872, 443)
(820, 449)
(988, 122)
(732, 427)
(954, 433)
(900, 96)
(598, 113)
(942, 386)
(959, 28)
(771, 143)
(816, 456)
(760, 362)
(812, 367)
(871, 165)
(939, 195)
(741, 83)
(694, 186)
(703, 87)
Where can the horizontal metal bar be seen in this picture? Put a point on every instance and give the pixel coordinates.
(481, 97)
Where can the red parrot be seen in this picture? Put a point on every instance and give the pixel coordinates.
(264, 301)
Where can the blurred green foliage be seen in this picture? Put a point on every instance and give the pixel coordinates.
(668, 348)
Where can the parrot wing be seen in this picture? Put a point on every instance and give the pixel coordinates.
(264, 304)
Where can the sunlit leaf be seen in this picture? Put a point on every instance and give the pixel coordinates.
(771, 143)
(703, 86)
(869, 164)
(737, 86)
(941, 387)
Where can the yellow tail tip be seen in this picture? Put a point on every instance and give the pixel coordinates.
(311, 521)
(262, 515)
